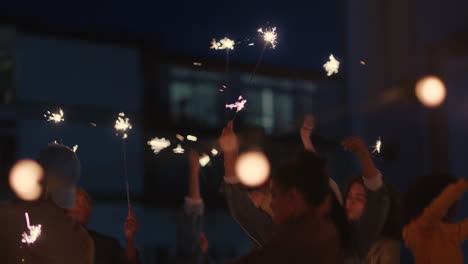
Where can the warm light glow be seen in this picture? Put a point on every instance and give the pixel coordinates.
(178, 149)
(180, 137)
(214, 152)
(192, 138)
(431, 91)
(25, 177)
(204, 160)
(252, 168)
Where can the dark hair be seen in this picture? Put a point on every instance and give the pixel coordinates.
(423, 191)
(338, 217)
(307, 173)
(393, 224)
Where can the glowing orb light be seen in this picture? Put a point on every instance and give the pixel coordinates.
(252, 168)
(25, 177)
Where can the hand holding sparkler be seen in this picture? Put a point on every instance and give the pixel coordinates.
(357, 146)
(229, 145)
(308, 126)
(130, 229)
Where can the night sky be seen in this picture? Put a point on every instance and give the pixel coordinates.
(308, 30)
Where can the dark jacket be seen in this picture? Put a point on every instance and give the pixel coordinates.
(306, 239)
(108, 250)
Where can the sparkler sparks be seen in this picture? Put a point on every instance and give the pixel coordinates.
(378, 146)
(55, 117)
(224, 43)
(192, 138)
(122, 125)
(204, 160)
(331, 66)
(34, 232)
(269, 35)
(75, 148)
(158, 144)
(240, 104)
(178, 149)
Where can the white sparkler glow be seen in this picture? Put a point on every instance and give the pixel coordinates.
(178, 149)
(34, 232)
(224, 43)
(332, 66)
(251, 44)
(269, 35)
(204, 160)
(158, 144)
(122, 125)
(214, 152)
(378, 146)
(75, 148)
(55, 117)
(239, 105)
(192, 138)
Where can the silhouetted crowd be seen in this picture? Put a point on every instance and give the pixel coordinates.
(299, 215)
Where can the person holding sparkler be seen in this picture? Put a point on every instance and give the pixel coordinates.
(107, 249)
(372, 212)
(61, 239)
(300, 203)
(430, 231)
(192, 244)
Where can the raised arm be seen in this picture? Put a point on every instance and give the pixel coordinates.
(439, 207)
(131, 226)
(254, 221)
(190, 225)
(308, 126)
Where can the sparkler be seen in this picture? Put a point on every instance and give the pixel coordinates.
(75, 148)
(158, 144)
(34, 232)
(192, 138)
(331, 66)
(225, 43)
(178, 149)
(378, 146)
(239, 105)
(204, 160)
(269, 35)
(55, 117)
(122, 125)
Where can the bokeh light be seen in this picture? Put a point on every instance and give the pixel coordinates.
(431, 91)
(25, 177)
(252, 168)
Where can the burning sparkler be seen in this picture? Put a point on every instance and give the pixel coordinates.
(378, 146)
(55, 117)
(158, 144)
(225, 43)
(75, 148)
(34, 232)
(331, 66)
(122, 125)
(204, 160)
(178, 149)
(239, 105)
(269, 35)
